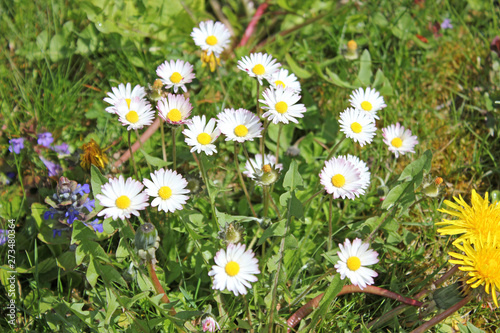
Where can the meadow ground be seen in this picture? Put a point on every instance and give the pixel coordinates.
(436, 64)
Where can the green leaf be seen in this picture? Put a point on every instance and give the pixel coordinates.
(110, 275)
(300, 72)
(92, 274)
(292, 179)
(331, 292)
(97, 180)
(365, 68)
(423, 164)
(154, 161)
(296, 208)
(336, 80)
(397, 194)
(276, 229)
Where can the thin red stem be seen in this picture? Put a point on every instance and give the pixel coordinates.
(253, 23)
(158, 286)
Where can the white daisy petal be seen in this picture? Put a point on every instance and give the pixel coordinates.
(357, 125)
(122, 199)
(212, 37)
(368, 100)
(175, 109)
(239, 125)
(123, 92)
(353, 266)
(284, 80)
(255, 164)
(201, 135)
(168, 188)
(235, 271)
(176, 74)
(399, 139)
(259, 65)
(342, 177)
(135, 114)
(281, 106)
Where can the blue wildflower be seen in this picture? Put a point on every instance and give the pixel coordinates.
(3, 236)
(99, 227)
(45, 139)
(54, 168)
(16, 145)
(446, 24)
(56, 232)
(62, 149)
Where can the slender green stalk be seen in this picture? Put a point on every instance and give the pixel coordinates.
(330, 229)
(262, 146)
(248, 156)
(132, 155)
(205, 180)
(241, 178)
(174, 132)
(158, 287)
(334, 149)
(140, 147)
(312, 197)
(278, 143)
(249, 314)
(278, 268)
(163, 146)
(266, 199)
(226, 96)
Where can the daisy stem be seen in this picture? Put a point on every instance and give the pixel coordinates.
(140, 147)
(334, 149)
(163, 147)
(249, 314)
(247, 156)
(262, 147)
(241, 178)
(370, 236)
(226, 96)
(174, 131)
(443, 315)
(205, 180)
(132, 155)
(278, 143)
(278, 268)
(267, 194)
(257, 106)
(158, 286)
(330, 211)
(312, 197)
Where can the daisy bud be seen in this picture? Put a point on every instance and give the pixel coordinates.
(147, 242)
(495, 196)
(232, 233)
(209, 324)
(352, 45)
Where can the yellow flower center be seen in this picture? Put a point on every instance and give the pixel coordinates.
(352, 45)
(356, 127)
(211, 40)
(397, 142)
(281, 107)
(128, 100)
(338, 180)
(241, 130)
(353, 263)
(174, 115)
(232, 268)
(258, 69)
(279, 83)
(266, 168)
(132, 117)
(367, 106)
(204, 138)
(123, 202)
(176, 77)
(165, 192)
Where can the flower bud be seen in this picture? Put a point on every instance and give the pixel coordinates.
(208, 324)
(232, 233)
(147, 242)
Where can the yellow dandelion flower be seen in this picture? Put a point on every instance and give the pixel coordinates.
(93, 154)
(481, 261)
(475, 222)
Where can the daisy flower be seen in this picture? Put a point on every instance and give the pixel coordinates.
(281, 106)
(358, 126)
(239, 125)
(368, 100)
(175, 109)
(123, 92)
(352, 261)
(136, 114)
(176, 74)
(284, 80)
(212, 37)
(399, 139)
(122, 198)
(341, 178)
(360, 165)
(234, 269)
(201, 135)
(269, 161)
(168, 188)
(259, 65)
(209, 324)
(481, 261)
(474, 222)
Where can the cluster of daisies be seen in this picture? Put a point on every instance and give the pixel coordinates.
(478, 225)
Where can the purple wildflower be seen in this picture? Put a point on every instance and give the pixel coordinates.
(56, 232)
(54, 168)
(16, 145)
(446, 24)
(81, 189)
(3, 236)
(62, 149)
(99, 227)
(45, 139)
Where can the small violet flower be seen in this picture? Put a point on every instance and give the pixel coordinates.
(16, 145)
(95, 225)
(56, 232)
(45, 139)
(3, 236)
(62, 149)
(54, 168)
(446, 24)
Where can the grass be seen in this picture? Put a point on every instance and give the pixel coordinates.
(441, 89)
